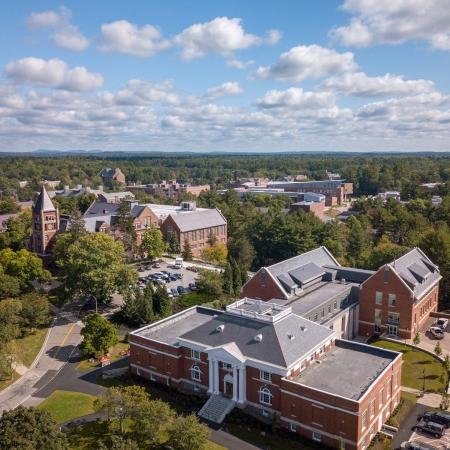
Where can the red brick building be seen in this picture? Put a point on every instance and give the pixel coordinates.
(399, 297)
(108, 175)
(45, 218)
(265, 359)
(173, 189)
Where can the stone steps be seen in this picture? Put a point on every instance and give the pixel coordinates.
(216, 408)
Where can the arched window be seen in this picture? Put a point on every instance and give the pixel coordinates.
(196, 373)
(265, 396)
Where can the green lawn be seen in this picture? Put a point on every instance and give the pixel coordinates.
(66, 405)
(28, 347)
(87, 437)
(415, 362)
(5, 383)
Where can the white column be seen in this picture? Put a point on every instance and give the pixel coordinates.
(242, 384)
(235, 383)
(211, 376)
(216, 377)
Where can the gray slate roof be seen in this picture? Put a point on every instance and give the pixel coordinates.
(108, 172)
(101, 209)
(417, 271)
(197, 220)
(275, 348)
(43, 201)
(302, 268)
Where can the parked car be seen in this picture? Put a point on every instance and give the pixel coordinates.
(175, 292)
(436, 429)
(181, 290)
(192, 269)
(436, 333)
(148, 267)
(442, 323)
(161, 282)
(172, 277)
(193, 286)
(140, 268)
(416, 446)
(156, 265)
(437, 417)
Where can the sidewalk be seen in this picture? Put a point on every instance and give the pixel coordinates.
(428, 399)
(62, 340)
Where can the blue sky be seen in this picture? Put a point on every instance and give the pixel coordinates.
(356, 75)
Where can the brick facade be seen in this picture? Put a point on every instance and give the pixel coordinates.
(387, 305)
(262, 286)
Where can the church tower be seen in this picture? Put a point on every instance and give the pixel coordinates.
(45, 224)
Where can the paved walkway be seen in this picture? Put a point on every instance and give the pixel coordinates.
(61, 342)
(428, 399)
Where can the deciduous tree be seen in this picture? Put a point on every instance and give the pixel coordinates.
(99, 335)
(187, 433)
(153, 244)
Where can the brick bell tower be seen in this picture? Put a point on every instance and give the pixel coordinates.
(45, 224)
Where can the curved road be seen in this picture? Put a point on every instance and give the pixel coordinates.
(61, 343)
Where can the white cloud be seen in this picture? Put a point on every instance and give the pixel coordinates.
(295, 98)
(65, 34)
(307, 62)
(138, 92)
(238, 64)
(360, 84)
(273, 36)
(221, 35)
(53, 73)
(225, 89)
(124, 37)
(394, 22)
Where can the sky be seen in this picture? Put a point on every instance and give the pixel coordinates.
(260, 76)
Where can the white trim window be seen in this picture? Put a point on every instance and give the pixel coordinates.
(392, 299)
(372, 407)
(316, 436)
(378, 298)
(227, 366)
(196, 373)
(195, 354)
(265, 376)
(265, 396)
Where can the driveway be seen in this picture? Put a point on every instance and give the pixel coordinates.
(428, 343)
(442, 443)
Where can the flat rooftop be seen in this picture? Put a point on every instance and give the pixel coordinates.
(347, 370)
(311, 299)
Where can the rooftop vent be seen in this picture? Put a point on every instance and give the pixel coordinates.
(343, 281)
(220, 328)
(303, 328)
(258, 338)
(291, 337)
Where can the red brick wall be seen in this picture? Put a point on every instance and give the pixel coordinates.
(262, 286)
(254, 385)
(403, 306)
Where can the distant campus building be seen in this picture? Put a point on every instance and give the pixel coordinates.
(285, 350)
(171, 189)
(108, 175)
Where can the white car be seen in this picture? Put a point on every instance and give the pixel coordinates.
(436, 332)
(441, 323)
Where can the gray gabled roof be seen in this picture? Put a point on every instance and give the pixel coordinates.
(43, 201)
(108, 172)
(101, 209)
(417, 271)
(302, 268)
(197, 220)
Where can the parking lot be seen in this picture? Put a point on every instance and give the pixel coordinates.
(427, 341)
(188, 276)
(442, 443)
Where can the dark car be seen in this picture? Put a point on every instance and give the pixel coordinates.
(148, 267)
(140, 268)
(193, 286)
(181, 289)
(437, 417)
(156, 265)
(175, 292)
(436, 429)
(416, 446)
(192, 268)
(172, 277)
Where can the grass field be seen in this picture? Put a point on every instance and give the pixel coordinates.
(28, 347)
(193, 298)
(5, 383)
(416, 363)
(66, 405)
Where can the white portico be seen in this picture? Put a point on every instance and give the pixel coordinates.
(233, 361)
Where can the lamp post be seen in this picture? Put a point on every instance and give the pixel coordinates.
(423, 387)
(95, 298)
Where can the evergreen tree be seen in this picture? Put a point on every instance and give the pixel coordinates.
(228, 279)
(173, 245)
(237, 279)
(187, 251)
(137, 309)
(162, 304)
